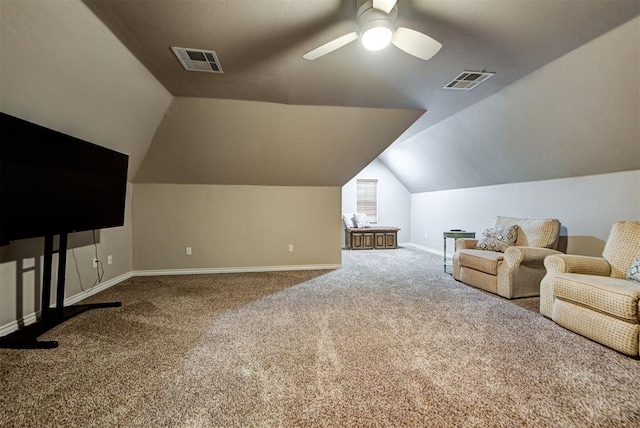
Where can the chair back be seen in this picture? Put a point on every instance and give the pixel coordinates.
(533, 232)
(622, 247)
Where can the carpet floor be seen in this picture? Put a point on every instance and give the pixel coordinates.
(387, 340)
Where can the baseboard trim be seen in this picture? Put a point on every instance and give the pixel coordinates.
(98, 288)
(427, 249)
(203, 271)
(33, 316)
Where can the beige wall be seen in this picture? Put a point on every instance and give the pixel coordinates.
(62, 68)
(587, 207)
(230, 226)
(213, 141)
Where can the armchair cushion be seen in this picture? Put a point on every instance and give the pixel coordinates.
(481, 260)
(613, 296)
(533, 232)
(498, 238)
(466, 243)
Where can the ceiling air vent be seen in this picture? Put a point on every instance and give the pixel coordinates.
(468, 80)
(198, 60)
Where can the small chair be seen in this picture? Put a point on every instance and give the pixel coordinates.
(512, 269)
(598, 297)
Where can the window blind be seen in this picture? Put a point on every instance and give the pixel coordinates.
(367, 198)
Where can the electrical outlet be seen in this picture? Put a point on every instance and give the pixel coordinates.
(425, 234)
(291, 248)
(109, 259)
(95, 263)
(188, 251)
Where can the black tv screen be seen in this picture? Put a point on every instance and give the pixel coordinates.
(53, 183)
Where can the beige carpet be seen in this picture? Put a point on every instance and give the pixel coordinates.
(388, 340)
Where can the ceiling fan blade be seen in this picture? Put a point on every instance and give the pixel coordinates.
(384, 5)
(331, 46)
(415, 43)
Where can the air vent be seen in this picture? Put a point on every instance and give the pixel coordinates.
(467, 80)
(198, 60)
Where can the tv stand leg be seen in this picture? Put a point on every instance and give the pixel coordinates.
(27, 337)
(46, 277)
(62, 263)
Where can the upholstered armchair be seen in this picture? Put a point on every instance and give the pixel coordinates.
(598, 297)
(515, 267)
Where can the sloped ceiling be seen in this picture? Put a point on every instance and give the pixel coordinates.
(578, 115)
(260, 45)
(211, 141)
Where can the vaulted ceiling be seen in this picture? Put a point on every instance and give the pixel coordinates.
(260, 46)
(341, 110)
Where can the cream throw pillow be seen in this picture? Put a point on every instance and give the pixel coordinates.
(634, 270)
(498, 238)
(347, 219)
(361, 220)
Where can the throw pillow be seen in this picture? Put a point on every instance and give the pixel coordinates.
(498, 239)
(347, 219)
(634, 270)
(361, 220)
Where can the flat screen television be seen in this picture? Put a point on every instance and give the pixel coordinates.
(52, 183)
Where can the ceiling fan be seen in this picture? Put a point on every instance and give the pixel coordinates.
(376, 21)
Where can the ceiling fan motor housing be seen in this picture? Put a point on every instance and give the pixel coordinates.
(368, 16)
(376, 26)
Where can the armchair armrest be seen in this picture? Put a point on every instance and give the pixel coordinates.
(465, 243)
(521, 271)
(569, 263)
(533, 256)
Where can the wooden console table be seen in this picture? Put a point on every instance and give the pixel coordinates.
(370, 238)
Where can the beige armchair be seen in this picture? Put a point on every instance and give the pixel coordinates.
(518, 271)
(592, 296)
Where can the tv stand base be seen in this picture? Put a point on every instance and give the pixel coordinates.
(27, 337)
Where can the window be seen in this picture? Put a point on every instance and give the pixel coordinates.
(367, 198)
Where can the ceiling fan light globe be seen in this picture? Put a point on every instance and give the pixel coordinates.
(376, 38)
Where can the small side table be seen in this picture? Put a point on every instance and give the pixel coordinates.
(454, 235)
